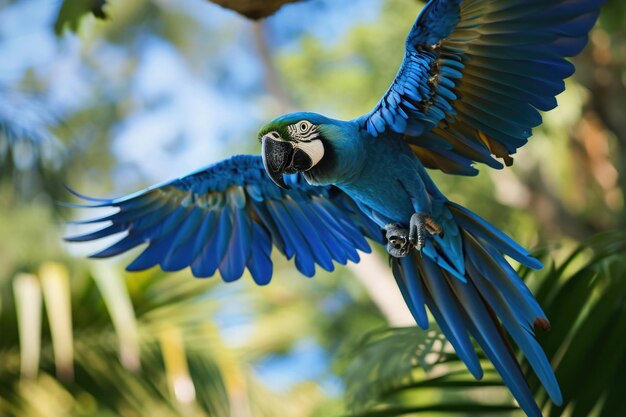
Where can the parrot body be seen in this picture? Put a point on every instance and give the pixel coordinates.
(390, 185)
(475, 75)
(378, 175)
(383, 177)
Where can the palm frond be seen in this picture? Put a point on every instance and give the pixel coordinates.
(386, 360)
(585, 298)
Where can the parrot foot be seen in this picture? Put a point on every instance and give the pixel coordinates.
(398, 244)
(419, 225)
(400, 241)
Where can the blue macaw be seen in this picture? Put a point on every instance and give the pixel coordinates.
(475, 75)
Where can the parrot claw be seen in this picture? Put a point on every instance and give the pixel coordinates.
(400, 241)
(398, 244)
(419, 225)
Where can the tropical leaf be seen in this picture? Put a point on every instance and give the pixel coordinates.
(386, 359)
(409, 371)
(585, 298)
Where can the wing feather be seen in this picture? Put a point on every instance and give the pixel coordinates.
(477, 73)
(227, 217)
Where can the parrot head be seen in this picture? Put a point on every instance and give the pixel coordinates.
(292, 143)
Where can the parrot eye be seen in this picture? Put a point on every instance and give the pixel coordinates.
(303, 131)
(304, 126)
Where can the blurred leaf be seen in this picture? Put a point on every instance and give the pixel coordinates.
(614, 13)
(385, 359)
(56, 293)
(72, 11)
(179, 380)
(28, 304)
(120, 308)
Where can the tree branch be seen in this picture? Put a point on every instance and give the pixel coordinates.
(254, 9)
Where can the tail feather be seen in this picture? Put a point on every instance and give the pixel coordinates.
(404, 270)
(451, 312)
(503, 277)
(486, 333)
(481, 229)
(523, 337)
(493, 297)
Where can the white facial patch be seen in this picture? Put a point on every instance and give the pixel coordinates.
(303, 131)
(313, 148)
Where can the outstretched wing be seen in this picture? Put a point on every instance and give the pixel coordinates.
(475, 75)
(227, 216)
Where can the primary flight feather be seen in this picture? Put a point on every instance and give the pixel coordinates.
(475, 76)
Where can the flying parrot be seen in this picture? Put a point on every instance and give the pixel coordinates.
(475, 76)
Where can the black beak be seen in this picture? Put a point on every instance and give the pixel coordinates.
(277, 158)
(301, 161)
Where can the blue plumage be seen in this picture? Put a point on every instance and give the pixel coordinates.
(213, 220)
(504, 59)
(475, 76)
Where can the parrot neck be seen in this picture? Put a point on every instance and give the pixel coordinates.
(344, 155)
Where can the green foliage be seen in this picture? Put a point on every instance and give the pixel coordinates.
(584, 296)
(614, 20)
(585, 299)
(359, 69)
(385, 360)
(72, 11)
